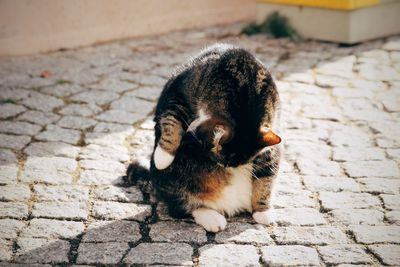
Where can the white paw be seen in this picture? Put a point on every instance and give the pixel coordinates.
(210, 219)
(265, 217)
(162, 159)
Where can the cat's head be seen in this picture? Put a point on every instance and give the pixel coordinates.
(218, 140)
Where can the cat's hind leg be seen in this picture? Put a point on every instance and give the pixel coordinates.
(170, 139)
(210, 219)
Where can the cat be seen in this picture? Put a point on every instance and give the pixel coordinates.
(215, 153)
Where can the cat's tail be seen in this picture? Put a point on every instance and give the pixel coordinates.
(136, 174)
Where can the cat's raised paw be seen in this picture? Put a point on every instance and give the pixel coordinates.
(210, 219)
(162, 159)
(266, 217)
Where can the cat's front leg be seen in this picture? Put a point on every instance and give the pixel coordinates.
(266, 217)
(170, 139)
(210, 219)
(263, 212)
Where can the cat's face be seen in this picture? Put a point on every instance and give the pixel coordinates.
(217, 141)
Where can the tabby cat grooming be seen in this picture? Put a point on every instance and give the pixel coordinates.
(215, 154)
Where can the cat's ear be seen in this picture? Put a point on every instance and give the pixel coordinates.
(268, 137)
(222, 134)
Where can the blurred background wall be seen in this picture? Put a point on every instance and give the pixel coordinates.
(31, 26)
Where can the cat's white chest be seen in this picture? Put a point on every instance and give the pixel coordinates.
(236, 196)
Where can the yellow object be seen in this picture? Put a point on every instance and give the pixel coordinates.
(329, 4)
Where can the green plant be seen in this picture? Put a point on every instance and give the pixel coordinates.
(252, 29)
(275, 24)
(7, 101)
(62, 82)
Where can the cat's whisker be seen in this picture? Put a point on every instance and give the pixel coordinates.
(187, 124)
(191, 132)
(256, 168)
(254, 175)
(195, 137)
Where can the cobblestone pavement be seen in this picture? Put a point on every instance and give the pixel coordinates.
(71, 120)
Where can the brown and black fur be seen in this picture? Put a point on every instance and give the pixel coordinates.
(240, 94)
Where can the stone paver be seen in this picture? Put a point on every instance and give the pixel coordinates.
(19, 127)
(357, 216)
(43, 149)
(391, 202)
(120, 116)
(58, 134)
(40, 250)
(65, 142)
(9, 228)
(335, 184)
(66, 193)
(393, 216)
(5, 250)
(83, 110)
(336, 254)
(95, 97)
(362, 153)
(94, 177)
(98, 152)
(112, 231)
(389, 254)
(14, 141)
(42, 102)
(299, 216)
(8, 173)
(75, 122)
(380, 185)
(51, 170)
(125, 103)
(15, 192)
(319, 235)
(9, 110)
(102, 165)
(167, 253)
(15, 210)
(372, 169)
(121, 194)
(244, 233)
(294, 198)
(105, 253)
(228, 255)
(47, 228)
(62, 210)
(39, 117)
(114, 210)
(337, 200)
(177, 232)
(376, 234)
(292, 255)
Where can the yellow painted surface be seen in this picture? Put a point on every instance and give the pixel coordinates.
(330, 4)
